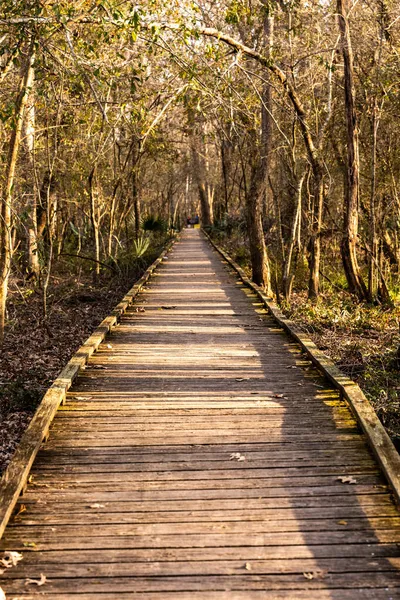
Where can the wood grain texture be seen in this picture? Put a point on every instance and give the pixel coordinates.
(201, 455)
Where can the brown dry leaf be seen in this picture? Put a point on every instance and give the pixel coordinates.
(29, 545)
(347, 479)
(38, 582)
(315, 575)
(96, 505)
(2, 594)
(247, 566)
(21, 509)
(10, 559)
(342, 522)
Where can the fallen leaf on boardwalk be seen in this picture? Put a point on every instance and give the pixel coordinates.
(279, 396)
(83, 397)
(29, 545)
(315, 575)
(237, 456)
(342, 522)
(2, 594)
(347, 479)
(21, 509)
(10, 559)
(247, 566)
(37, 582)
(240, 379)
(96, 505)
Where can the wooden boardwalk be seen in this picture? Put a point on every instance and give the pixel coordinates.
(200, 456)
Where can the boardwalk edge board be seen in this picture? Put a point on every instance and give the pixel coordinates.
(378, 439)
(16, 475)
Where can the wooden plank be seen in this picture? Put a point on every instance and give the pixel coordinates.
(293, 503)
(115, 512)
(188, 476)
(44, 531)
(206, 568)
(52, 542)
(90, 496)
(220, 588)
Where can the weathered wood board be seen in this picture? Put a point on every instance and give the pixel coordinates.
(200, 455)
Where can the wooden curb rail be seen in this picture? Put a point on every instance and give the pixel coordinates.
(15, 477)
(378, 439)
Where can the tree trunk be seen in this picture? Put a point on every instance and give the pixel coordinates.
(372, 271)
(136, 201)
(254, 200)
(226, 168)
(351, 196)
(32, 229)
(94, 218)
(287, 279)
(315, 240)
(6, 246)
(202, 185)
(135, 186)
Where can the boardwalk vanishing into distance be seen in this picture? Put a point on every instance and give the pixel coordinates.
(200, 456)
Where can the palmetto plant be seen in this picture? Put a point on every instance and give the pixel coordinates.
(140, 246)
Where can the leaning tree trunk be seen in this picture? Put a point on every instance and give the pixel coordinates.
(6, 204)
(351, 196)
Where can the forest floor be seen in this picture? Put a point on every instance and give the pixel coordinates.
(36, 349)
(362, 340)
